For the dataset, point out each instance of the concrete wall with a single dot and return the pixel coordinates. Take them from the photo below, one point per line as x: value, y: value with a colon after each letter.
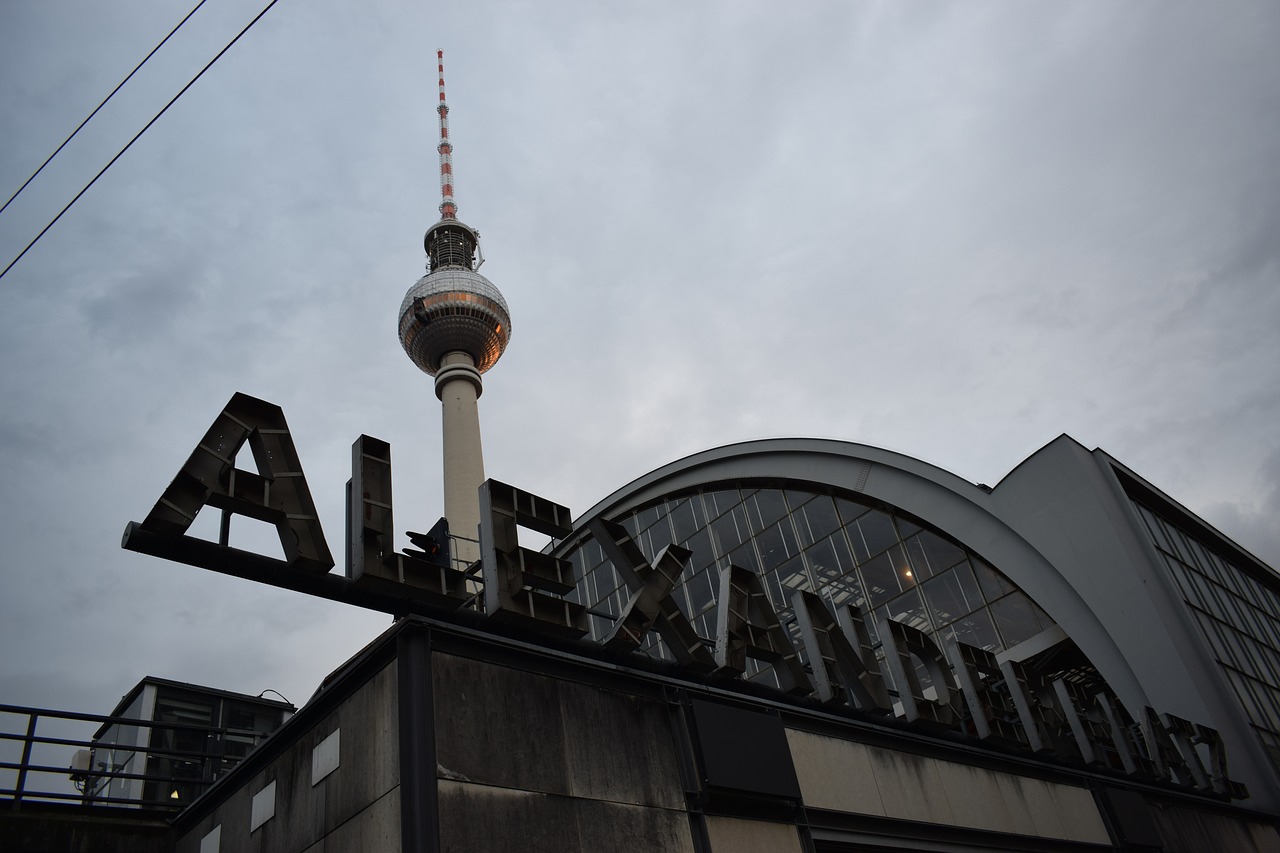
x: 530, y: 763
x: 846, y: 776
x: 354, y: 807
x: 64, y: 828
x: 1191, y: 831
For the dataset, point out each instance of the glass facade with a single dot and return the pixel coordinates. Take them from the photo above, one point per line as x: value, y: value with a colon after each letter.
x: 211, y: 732
x: 812, y: 538
x: 1236, y: 612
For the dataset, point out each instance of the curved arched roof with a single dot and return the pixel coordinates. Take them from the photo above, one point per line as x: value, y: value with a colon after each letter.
x: 968, y: 513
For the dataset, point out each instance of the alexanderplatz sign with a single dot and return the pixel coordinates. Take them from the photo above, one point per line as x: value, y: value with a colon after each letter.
x: 973, y: 693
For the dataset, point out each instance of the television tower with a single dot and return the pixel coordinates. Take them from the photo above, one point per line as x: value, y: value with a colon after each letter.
x: 454, y: 324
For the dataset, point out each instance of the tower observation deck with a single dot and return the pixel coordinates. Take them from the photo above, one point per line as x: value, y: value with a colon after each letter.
x: 454, y: 325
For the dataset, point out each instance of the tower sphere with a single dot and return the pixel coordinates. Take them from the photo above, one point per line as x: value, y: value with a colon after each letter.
x: 454, y: 309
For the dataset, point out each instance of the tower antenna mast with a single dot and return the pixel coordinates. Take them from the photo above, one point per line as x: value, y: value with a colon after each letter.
x: 448, y: 208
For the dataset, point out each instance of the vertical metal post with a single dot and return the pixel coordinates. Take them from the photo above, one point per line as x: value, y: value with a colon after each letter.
x: 419, y: 793
x: 26, y: 759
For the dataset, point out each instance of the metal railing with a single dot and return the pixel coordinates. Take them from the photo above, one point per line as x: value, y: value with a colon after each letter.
x: 45, y: 760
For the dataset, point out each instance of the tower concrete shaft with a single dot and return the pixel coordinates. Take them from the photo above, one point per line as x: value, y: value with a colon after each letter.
x: 458, y: 385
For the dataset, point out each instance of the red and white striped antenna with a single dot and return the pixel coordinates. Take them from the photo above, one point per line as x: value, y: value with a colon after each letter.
x: 448, y: 209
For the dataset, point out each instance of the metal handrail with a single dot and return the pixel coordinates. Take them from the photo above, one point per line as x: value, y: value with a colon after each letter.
x: 87, y: 785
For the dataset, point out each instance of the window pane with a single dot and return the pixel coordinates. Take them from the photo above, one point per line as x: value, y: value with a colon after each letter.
x: 909, y: 609
x: 849, y: 510
x: 829, y: 558
x: 993, y: 584
x: 702, y: 589
x: 817, y: 520
x: 976, y: 629
x: 682, y: 519
x: 945, y: 598
x: 700, y: 545
x: 730, y: 530
x: 744, y: 557
x: 1016, y: 619
x: 940, y: 553
x: 777, y: 545
x: 877, y: 531
x: 765, y: 507
x: 882, y: 577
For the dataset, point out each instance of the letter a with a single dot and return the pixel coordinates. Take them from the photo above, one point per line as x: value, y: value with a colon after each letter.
x: 277, y: 494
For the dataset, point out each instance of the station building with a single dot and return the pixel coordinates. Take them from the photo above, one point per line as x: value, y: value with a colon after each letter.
x: 798, y: 645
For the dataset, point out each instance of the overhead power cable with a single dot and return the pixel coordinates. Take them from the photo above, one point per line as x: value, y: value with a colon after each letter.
x: 100, y: 106
x: 138, y: 135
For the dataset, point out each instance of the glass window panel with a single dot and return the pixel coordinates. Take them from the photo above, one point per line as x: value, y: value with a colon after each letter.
x: 595, y: 556
x: 859, y: 545
x: 819, y: 521
x: 992, y: 583
x: 1245, y: 694
x: 702, y: 591
x: 906, y: 527
x: 880, y: 579
x: 919, y: 562
x: 1232, y: 578
x: 909, y: 609
x: 1176, y: 540
x: 877, y: 531
x: 1202, y: 560
x: 1271, y: 634
x: 631, y: 525
x: 1253, y: 591
x: 1231, y: 611
x: 683, y: 520
x: 1161, y: 536
x: 765, y: 507
x: 849, y: 510
x: 1223, y: 572
x: 660, y: 536
x: 797, y: 498
x: 725, y: 499
x: 844, y: 590
x: 700, y: 545
x: 705, y: 625
x: 642, y: 541
x: 829, y: 558
x: 1185, y: 586
x: 1016, y: 618
x: 906, y: 574
x: 976, y: 629
x: 946, y: 599
x: 1272, y: 661
x: 941, y: 553
x: 1216, y: 642
x: 646, y: 517
x: 730, y: 530
x: 1150, y: 521
x: 777, y: 545
x: 575, y: 563
x: 1204, y: 588
x: 791, y: 572
x: 598, y: 625
x: 744, y: 557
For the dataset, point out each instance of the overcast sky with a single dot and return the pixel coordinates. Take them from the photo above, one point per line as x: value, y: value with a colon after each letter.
x: 951, y: 230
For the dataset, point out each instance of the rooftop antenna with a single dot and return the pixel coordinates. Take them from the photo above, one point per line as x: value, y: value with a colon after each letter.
x: 448, y: 209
